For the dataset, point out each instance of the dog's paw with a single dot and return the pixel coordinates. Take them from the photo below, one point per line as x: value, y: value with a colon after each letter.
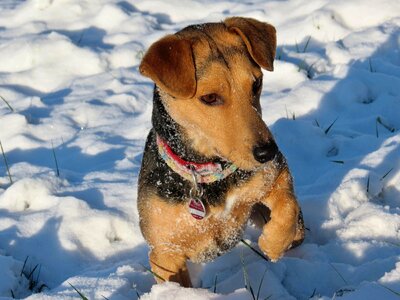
x: 276, y: 240
x: 271, y: 249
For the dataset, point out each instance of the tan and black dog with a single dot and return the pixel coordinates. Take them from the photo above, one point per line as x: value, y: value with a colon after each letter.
x: 210, y: 162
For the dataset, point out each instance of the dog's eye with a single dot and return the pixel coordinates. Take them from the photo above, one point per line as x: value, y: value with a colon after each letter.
x: 257, y: 85
x: 211, y: 99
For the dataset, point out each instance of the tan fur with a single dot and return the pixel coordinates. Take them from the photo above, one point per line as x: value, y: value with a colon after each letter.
x: 226, y: 65
x: 234, y: 84
x: 171, y: 53
x: 260, y: 39
x: 175, y: 236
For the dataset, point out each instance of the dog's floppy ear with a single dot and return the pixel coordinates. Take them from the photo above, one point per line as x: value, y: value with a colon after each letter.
x: 169, y: 63
x: 259, y: 37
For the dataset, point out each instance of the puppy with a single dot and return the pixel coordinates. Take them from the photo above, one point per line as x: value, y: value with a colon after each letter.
x: 210, y: 162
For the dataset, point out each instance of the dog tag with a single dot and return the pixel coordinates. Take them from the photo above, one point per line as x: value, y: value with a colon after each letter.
x: 197, y: 209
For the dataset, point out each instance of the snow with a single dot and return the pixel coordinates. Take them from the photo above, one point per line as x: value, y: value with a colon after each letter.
x: 69, y: 70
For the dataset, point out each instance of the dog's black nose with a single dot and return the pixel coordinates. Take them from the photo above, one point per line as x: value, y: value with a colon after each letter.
x: 265, y: 152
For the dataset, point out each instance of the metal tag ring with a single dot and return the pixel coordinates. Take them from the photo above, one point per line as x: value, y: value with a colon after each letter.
x: 196, y: 192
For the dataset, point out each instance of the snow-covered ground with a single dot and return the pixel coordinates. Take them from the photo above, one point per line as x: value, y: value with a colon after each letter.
x: 71, y: 96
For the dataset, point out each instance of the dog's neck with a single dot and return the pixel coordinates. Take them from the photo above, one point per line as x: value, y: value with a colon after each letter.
x: 170, y: 131
x: 168, y: 184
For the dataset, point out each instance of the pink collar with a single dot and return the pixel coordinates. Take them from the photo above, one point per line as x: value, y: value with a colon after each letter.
x: 204, y: 172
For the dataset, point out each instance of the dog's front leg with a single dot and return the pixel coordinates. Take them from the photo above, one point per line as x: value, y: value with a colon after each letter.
x: 169, y: 266
x: 285, y: 226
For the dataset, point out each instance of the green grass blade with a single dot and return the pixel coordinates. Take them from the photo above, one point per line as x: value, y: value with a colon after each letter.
x: 6, y: 163
x: 370, y: 65
x: 215, y: 284
x: 83, y: 297
x: 340, y: 275
x: 261, y: 282
x: 330, y: 126
x: 306, y: 45
x: 386, y: 174
x: 254, y: 250
x: 38, y: 274
x: 137, y: 293
x: 338, y: 162
x: 154, y: 273
x: 388, y: 127
x: 389, y: 289
x: 6, y: 102
x: 23, y: 267
x: 30, y: 276
x: 55, y: 159
x: 313, y: 293
x: 80, y: 38
x: 247, y: 284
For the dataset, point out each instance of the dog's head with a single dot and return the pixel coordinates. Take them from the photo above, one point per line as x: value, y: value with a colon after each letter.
x: 209, y: 77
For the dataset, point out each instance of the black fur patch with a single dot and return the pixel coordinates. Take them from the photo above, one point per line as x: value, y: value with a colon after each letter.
x: 155, y: 173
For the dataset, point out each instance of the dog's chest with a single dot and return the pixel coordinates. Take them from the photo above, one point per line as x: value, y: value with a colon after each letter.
x: 224, y: 226
x: 222, y: 229
x: 221, y: 236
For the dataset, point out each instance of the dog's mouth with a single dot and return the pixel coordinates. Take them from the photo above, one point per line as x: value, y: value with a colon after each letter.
x: 251, y: 165
x: 275, y: 159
